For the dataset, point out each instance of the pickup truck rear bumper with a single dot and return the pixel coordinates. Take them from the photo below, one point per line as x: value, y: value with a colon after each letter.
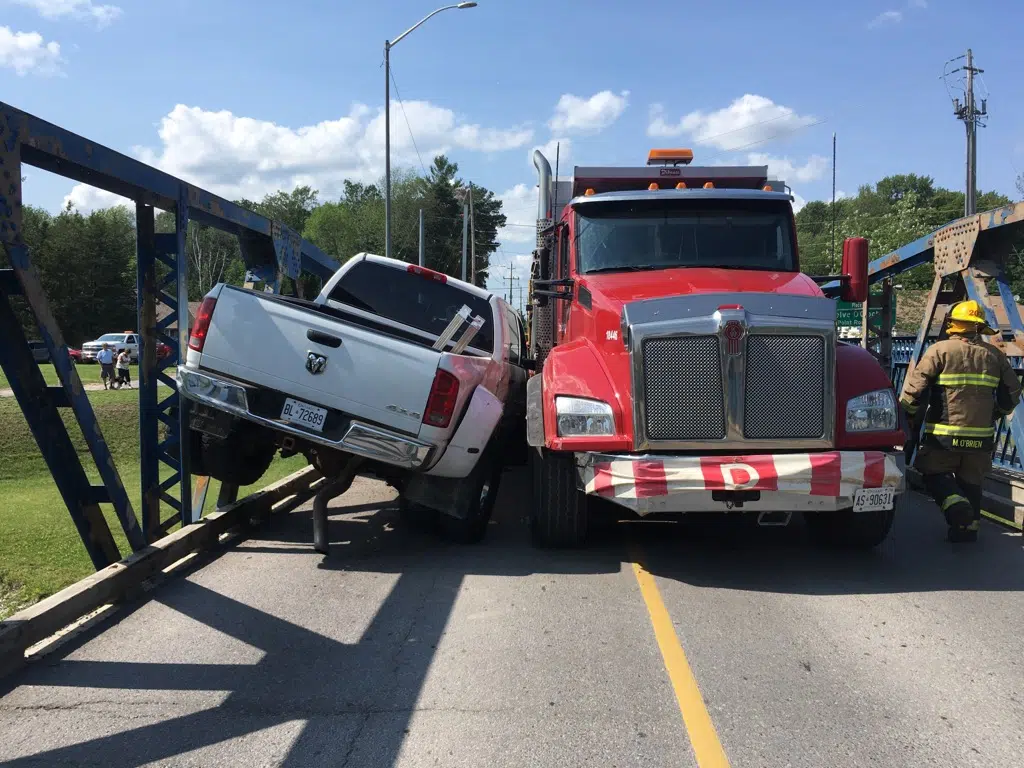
x: 785, y: 482
x: 371, y: 442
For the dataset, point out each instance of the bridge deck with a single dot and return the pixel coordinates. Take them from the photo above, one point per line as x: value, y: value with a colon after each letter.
x: 399, y: 650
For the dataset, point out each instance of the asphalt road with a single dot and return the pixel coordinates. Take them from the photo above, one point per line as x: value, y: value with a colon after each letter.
x: 398, y: 650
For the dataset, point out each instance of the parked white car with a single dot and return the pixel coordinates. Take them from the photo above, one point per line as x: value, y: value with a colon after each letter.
x: 417, y: 376
x: 118, y: 341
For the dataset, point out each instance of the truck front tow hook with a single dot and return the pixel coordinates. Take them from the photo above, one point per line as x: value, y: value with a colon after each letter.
x: 774, y: 518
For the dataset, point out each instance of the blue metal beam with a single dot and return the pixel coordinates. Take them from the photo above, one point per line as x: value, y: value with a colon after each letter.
x: 54, y: 149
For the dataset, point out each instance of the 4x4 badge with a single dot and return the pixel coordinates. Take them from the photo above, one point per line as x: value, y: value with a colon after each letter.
x: 315, y: 362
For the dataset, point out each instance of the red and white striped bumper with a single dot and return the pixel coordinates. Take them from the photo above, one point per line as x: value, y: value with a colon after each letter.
x: 792, y: 482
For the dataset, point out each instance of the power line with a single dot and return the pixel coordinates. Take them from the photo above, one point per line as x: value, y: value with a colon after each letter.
x: 401, y: 104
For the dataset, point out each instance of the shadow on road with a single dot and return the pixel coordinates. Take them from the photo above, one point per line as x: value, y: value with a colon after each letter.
x: 343, y: 691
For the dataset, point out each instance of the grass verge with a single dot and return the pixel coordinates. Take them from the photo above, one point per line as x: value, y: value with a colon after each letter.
x: 40, y: 550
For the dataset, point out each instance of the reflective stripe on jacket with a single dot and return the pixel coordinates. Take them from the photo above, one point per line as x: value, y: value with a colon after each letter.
x: 966, y: 384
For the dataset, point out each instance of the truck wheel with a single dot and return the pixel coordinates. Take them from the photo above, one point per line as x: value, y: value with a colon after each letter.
x: 241, y: 458
x: 558, y: 517
x: 849, y: 529
x: 484, y: 479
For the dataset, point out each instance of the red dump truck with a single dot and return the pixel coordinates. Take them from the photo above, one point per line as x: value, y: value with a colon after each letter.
x: 684, y: 364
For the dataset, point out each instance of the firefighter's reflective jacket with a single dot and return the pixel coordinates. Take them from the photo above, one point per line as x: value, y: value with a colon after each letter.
x: 967, y: 384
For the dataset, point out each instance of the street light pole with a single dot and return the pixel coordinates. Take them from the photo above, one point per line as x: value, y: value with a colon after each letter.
x: 387, y: 148
x: 388, y: 45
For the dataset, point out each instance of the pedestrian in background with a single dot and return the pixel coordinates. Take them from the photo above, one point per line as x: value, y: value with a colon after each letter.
x: 124, y: 376
x: 966, y: 384
x: 105, y: 357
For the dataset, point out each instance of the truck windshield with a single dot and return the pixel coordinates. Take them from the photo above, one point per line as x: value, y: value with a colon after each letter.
x: 655, y: 234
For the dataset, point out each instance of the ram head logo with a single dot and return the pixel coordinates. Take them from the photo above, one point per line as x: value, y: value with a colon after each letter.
x: 315, y: 362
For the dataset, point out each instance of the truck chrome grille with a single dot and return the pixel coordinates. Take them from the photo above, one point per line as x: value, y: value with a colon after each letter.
x: 683, y: 388
x: 785, y: 387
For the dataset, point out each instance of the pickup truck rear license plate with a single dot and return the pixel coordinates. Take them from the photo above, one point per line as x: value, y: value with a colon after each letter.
x: 873, y: 499
x: 304, y: 414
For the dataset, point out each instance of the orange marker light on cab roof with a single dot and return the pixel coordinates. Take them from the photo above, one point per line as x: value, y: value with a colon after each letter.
x: 766, y: 188
x: 589, y: 192
x: 681, y: 185
x: 708, y: 185
x: 670, y: 156
x: 652, y: 187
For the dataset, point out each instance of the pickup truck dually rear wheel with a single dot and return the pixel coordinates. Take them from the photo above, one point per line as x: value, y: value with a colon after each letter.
x: 849, y: 529
x: 483, y: 484
x: 558, y: 517
x: 484, y: 479
x: 241, y: 458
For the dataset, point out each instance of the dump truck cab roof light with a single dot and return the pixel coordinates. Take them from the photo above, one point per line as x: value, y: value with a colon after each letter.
x: 670, y: 157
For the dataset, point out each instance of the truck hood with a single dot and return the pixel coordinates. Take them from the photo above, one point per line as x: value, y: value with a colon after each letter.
x: 619, y: 288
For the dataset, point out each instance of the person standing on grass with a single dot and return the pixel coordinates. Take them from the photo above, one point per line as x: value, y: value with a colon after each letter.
x: 105, y: 357
x: 124, y: 375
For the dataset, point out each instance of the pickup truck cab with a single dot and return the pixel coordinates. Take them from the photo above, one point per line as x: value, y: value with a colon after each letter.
x: 416, y: 376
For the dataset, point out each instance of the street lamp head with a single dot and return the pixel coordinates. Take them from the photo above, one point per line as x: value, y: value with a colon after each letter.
x: 466, y: 5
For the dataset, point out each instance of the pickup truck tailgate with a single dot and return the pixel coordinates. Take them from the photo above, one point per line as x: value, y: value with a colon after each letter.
x: 369, y: 375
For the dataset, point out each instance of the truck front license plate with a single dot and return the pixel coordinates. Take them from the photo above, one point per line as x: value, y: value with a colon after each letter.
x: 304, y: 415
x: 873, y: 499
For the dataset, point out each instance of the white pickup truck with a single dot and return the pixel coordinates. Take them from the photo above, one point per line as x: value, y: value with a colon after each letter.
x: 416, y: 377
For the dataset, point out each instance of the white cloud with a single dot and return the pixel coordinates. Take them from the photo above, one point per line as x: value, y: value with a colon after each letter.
x: 749, y: 120
x: 783, y: 168
x: 237, y: 156
x: 102, y: 15
x: 798, y: 202
x: 519, y: 204
x: 579, y: 115
x: 86, y: 199
x: 27, y: 52
x: 885, y: 18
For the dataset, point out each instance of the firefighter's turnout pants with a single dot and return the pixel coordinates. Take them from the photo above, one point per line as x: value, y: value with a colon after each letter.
x: 955, y: 481
x: 965, y: 384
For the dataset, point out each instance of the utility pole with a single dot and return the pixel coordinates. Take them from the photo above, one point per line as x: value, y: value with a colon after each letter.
x: 422, y: 246
x: 465, y: 235
x: 832, y: 260
x: 387, y: 148
x: 472, y: 238
x: 971, y: 118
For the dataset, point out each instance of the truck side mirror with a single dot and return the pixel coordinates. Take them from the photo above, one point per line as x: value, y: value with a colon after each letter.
x: 855, y: 270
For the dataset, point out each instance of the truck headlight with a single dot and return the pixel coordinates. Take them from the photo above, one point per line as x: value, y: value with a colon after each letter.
x: 871, y: 412
x: 579, y: 417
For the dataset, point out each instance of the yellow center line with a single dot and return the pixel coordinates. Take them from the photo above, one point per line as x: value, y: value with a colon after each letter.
x: 703, y: 737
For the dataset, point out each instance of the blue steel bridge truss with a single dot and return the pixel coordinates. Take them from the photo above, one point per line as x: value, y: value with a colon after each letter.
x: 270, y: 250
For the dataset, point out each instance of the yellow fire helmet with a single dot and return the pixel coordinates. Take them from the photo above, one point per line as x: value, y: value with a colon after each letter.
x: 967, y: 316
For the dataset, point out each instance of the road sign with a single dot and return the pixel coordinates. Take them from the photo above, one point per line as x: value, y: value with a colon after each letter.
x: 848, y: 313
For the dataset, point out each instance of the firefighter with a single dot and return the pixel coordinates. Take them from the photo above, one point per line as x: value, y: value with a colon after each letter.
x: 966, y: 384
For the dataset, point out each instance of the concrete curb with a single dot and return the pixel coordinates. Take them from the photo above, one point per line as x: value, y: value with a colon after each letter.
x: 112, y: 584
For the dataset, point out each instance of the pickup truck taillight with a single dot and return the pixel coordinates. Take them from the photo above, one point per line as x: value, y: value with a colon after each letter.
x: 441, y: 403
x: 202, y: 324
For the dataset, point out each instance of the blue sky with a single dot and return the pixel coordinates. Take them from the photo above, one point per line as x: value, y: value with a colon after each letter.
x: 244, y: 98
